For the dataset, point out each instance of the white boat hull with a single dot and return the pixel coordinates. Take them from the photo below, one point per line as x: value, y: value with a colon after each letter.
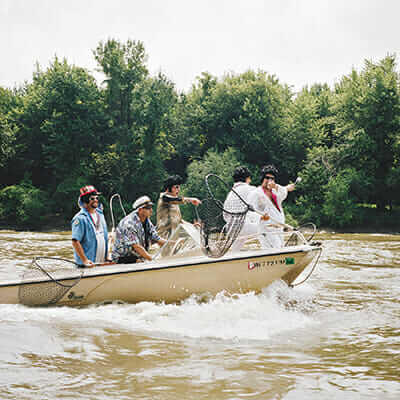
x: 172, y: 280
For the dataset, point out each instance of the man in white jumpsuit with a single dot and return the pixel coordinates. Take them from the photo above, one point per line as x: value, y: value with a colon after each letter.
x: 251, y: 226
x: 268, y: 198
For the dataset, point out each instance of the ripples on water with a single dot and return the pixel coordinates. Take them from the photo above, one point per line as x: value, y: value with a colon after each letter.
x: 336, y: 336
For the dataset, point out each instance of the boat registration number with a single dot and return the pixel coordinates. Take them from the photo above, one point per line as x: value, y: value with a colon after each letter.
x: 262, y: 264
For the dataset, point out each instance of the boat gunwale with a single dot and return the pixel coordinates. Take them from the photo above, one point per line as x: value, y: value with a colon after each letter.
x: 93, y: 273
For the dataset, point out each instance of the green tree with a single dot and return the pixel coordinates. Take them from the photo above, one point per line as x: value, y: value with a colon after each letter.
x: 316, y: 173
x: 243, y: 111
x: 117, y: 165
x: 7, y: 138
x: 367, y: 112
x: 61, y: 122
x: 8, y: 101
x: 155, y: 100
x: 134, y: 165
x: 393, y: 179
x: 124, y: 67
x: 308, y: 124
x: 190, y: 124
x: 340, y: 207
x: 22, y: 205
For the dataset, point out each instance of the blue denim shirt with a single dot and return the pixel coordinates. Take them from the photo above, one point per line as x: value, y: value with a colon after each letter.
x: 130, y: 231
x: 83, y: 230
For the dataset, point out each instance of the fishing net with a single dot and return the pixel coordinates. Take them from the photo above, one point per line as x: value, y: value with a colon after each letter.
x: 47, y: 280
x: 221, y: 217
x: 303, y: 234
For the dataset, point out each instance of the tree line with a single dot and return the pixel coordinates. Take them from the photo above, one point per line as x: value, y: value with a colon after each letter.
x: 63, y: 130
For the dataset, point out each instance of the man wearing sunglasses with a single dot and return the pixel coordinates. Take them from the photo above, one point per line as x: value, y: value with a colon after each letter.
x: 268, y: 198
x: 89, y: 229
x: 135, y: 233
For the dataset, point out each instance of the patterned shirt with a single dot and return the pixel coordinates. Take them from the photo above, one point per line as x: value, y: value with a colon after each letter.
x: 131, y: 231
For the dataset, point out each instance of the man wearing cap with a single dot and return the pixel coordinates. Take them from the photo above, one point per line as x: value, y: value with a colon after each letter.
x: 135, y: 233
x: 89, y: 229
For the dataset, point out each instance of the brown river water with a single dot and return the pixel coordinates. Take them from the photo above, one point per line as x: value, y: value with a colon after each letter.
x: 337, y: 336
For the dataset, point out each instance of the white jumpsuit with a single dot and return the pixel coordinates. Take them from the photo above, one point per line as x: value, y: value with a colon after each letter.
x: 272, y: 236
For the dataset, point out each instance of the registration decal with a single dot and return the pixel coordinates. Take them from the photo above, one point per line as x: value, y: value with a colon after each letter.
x: 261, y: 264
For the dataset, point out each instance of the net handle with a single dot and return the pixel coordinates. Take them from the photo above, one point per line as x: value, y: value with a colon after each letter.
x: 249, y: 206
x: 36, y: 262
x: 111, y: 208
x: 76, y: 264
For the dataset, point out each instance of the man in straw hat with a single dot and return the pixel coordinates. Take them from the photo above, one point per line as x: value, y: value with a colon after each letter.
x: 135, y: 233
x: 89, y: 229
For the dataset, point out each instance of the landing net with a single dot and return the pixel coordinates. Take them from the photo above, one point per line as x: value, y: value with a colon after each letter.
x: 221, y: 217
x: 47, y: 281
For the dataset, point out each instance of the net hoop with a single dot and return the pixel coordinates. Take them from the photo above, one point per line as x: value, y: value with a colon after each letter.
x: 220, y: 220
x: 45, y: 282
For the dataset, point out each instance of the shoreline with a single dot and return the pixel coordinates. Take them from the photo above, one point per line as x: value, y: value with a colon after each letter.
x: 60, y: 227
x: 360, y: 230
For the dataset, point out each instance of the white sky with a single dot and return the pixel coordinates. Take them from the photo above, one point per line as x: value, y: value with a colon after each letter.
x: 300, y: 41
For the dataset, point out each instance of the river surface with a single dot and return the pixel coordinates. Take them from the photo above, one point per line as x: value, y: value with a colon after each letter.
x: 337, y: 336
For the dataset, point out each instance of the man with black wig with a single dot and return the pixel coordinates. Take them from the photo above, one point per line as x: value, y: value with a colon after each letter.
x: 268, y: 198
x: 168, y: 213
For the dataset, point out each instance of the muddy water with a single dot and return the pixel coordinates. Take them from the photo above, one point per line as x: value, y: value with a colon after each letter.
x: 334, y: 337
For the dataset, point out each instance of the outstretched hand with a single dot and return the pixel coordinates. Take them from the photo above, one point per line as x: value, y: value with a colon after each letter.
x: 194, y: 200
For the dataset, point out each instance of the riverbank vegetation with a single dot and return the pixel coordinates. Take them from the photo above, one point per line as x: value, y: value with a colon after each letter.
x: 63, y: 130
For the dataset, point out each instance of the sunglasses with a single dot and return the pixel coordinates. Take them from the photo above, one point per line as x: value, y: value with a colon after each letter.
x: 148, y: 207
x: 92, y: 198
x: 272, y: 178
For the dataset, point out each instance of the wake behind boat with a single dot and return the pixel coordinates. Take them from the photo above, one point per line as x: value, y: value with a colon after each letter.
x: 178, y: 273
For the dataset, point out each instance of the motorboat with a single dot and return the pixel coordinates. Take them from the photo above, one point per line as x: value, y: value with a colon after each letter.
x: 179, y: 270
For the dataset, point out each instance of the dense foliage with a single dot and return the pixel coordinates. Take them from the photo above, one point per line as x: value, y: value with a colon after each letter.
x: 64, y: 130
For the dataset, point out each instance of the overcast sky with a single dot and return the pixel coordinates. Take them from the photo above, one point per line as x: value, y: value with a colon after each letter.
x: 300, y: 41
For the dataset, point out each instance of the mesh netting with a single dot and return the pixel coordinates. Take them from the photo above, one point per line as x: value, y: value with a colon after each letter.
x: 303, y: 234
x: 47, y: 281
x: 221, y: 216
